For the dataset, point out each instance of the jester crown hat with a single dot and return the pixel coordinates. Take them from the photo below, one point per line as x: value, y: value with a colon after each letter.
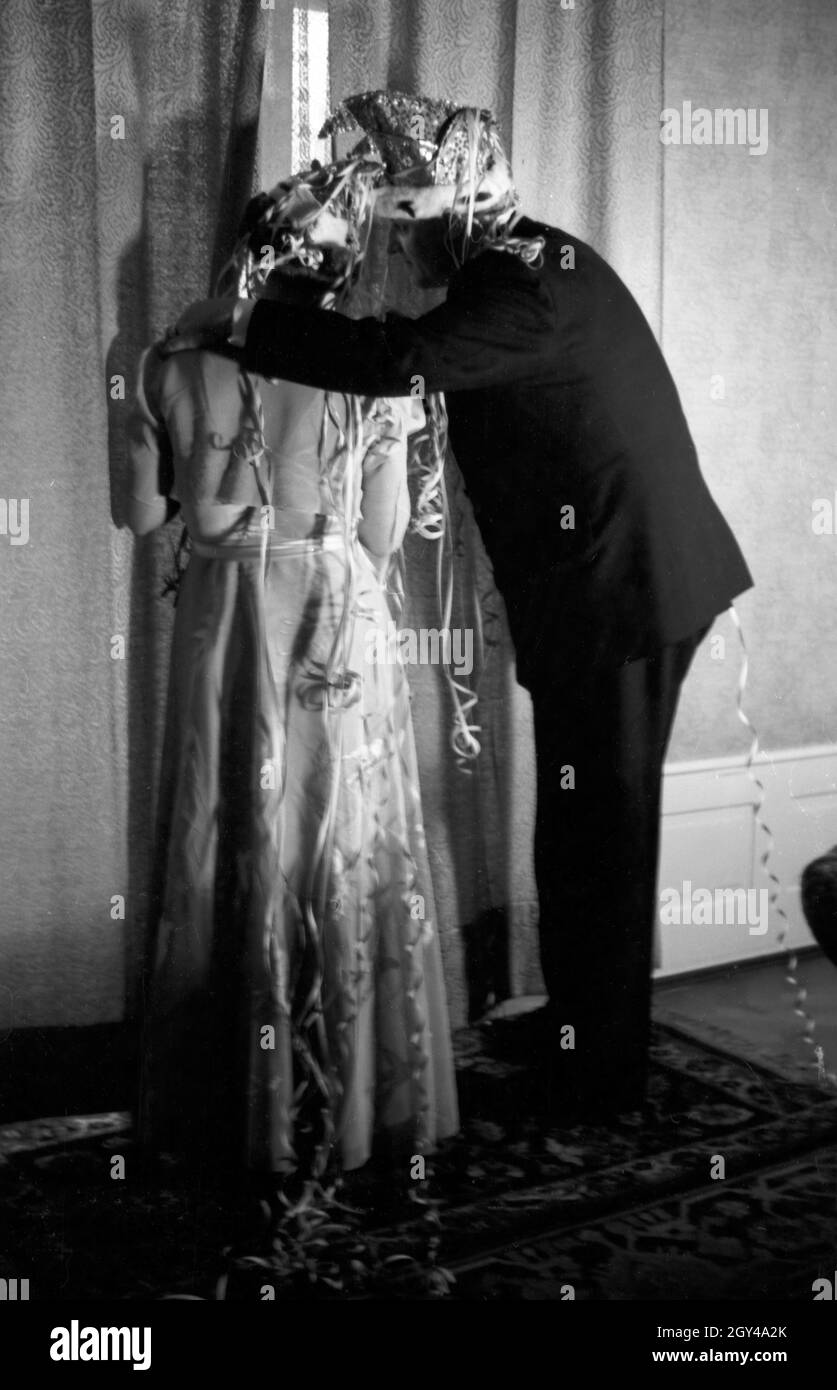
x: 418, y: 139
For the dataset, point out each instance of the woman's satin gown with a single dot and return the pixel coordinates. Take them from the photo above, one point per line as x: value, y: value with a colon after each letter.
x: 294, y: 1000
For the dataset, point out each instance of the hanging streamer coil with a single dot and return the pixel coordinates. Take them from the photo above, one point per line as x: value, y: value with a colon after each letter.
x: 432, y: 522
x: 792, y: 961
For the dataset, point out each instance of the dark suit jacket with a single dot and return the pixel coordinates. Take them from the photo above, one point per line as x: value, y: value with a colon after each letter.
x: 568, y: 428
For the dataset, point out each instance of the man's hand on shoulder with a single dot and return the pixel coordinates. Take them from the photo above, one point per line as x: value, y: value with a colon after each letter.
x: 208, y: 324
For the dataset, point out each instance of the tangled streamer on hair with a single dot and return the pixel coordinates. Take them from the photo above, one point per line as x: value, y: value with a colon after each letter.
x: 269, y: 240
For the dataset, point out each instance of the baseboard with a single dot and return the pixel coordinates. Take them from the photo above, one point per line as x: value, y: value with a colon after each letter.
x: 711, y: 840
x: 67, y: 1071
x: 706, y: 974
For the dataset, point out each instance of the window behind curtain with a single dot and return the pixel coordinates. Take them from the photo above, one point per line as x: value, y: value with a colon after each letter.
x: 311, y: 94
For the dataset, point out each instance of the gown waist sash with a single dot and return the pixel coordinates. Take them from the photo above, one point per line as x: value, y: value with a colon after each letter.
x: 250, y: 545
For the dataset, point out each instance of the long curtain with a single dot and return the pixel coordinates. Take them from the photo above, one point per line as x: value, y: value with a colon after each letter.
x: 129, y: 132
x: 573, y: 89
x: 128, y: 142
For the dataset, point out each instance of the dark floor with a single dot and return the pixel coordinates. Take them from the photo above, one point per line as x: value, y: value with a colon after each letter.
x: 749, y: 1010
x: 746, y: 1010
x: 618, y: 1211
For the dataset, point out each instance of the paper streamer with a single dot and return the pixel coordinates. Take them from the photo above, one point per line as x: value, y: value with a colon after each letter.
x: 432, y: 522
x: 774, y: 907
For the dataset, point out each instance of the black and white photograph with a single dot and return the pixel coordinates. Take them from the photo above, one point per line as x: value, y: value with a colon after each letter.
x: 418, y: 694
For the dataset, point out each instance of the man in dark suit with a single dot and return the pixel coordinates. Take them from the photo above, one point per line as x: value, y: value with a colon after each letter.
x: 609, y: 551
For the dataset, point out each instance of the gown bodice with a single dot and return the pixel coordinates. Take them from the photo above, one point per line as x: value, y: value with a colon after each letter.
x: 207, y: 408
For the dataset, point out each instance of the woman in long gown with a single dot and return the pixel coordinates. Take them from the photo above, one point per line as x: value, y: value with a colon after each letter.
x: 295, y: 1005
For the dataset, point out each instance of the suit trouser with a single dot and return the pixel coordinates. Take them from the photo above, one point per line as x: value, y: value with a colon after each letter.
x: 601, y: 741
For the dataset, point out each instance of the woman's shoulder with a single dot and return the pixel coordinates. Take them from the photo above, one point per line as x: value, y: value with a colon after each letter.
x: 161, y: 377
x: 196, y: 383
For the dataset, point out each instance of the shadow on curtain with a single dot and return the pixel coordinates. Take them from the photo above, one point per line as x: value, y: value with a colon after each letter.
x: 127, y: 139
x: 198, y: 77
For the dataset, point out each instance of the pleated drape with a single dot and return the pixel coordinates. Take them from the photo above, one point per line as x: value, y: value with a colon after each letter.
x: 127, y: 146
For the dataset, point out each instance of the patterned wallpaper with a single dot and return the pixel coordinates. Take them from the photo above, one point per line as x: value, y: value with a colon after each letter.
x: 750, y: 333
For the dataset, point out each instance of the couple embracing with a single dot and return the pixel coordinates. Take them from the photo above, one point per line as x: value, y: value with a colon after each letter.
x: 295, y: 1005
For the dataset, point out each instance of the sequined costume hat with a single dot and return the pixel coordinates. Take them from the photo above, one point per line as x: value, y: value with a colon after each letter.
x: 402, y: 131
x: 438, y: 157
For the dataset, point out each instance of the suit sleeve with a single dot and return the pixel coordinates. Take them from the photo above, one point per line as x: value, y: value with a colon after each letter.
x: 495, y: 327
